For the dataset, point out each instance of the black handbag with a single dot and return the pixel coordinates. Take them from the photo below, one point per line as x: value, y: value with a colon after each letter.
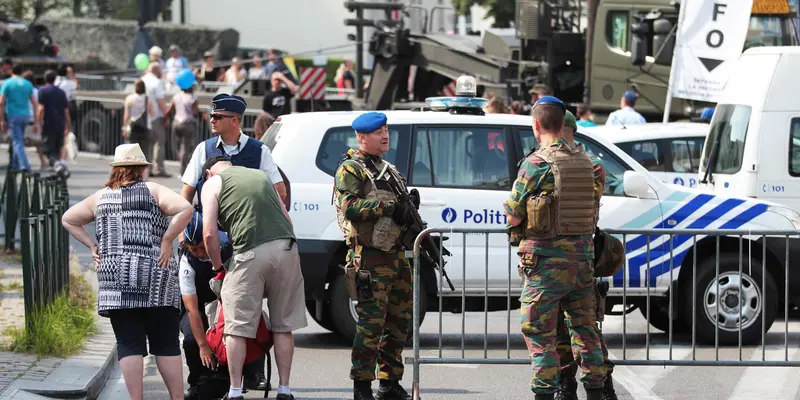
x: 140, y: 124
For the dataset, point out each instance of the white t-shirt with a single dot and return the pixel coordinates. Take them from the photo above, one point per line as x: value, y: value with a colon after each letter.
x: 155, y: 91
x: 194, y: 170
x: 187, y: 277
x: 68, y: 86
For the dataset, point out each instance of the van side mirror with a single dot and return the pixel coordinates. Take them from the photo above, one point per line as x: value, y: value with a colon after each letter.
x: 662, y: 37
x: 634, y: 184
x: 640, y: 31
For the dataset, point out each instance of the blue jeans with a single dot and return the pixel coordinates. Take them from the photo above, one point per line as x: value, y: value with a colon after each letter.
x: 16, y: 128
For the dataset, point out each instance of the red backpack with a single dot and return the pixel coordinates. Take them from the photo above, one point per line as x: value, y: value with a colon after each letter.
x: 255, y: 347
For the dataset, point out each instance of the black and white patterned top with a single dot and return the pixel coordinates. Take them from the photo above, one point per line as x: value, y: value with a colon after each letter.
x: 130, y: 226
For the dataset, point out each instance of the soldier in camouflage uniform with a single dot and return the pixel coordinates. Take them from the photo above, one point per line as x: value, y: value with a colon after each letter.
x: 567, y: 384
x: 378, y: 273
x: 554, y: 208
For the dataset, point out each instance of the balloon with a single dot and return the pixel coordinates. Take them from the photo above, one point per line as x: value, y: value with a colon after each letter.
x: 185, y: 79
x: 141, y: 61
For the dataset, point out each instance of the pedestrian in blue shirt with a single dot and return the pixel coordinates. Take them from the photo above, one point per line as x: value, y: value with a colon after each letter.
x: 626, y: 115
x: 16, y: 97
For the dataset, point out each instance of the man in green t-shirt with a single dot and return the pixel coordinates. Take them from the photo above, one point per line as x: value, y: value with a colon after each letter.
x: 265, y: 264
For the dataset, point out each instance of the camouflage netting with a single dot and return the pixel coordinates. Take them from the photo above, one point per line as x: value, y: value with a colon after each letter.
x: 110, y: 42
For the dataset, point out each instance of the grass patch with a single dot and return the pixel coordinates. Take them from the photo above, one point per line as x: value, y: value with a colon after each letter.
x: 61, y: 328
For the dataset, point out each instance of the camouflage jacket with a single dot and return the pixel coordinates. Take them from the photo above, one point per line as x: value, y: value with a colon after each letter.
x: 534, y: 177
x: 349, y: 186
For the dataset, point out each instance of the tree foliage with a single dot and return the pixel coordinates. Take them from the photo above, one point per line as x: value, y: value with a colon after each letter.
x: 503, y: 11
x: 114, y: 9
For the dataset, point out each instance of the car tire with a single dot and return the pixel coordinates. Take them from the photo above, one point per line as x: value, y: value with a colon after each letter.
x: 758, y: 306
x: 659, y: 315
x: 343, y: 316
x: 326, y: 321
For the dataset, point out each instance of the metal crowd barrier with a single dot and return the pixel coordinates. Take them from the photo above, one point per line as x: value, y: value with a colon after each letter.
x: 37, y: 203
x: 99, y: 121
x: 657, y: 250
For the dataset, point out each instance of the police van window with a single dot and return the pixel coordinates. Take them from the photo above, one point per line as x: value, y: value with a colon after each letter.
x: 686, y: 155
x: 794, y: 148
x: 615, y: 169
x: 464, y: 157
x: 648, y: 154
x: 727, y: 134
x: 617, y: 26
x: 338, y: 140
x: 270, y: 137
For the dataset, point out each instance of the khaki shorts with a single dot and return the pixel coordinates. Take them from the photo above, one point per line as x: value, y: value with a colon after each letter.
x: 267, y: 271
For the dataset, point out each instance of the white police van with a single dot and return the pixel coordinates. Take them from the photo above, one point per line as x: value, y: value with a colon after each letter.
x: 464, y: 167
x: 669, y: 151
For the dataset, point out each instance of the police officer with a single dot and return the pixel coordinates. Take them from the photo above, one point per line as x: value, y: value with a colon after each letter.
x: 554, y: 205
x: 567, y: 384
x: 195, y: 273
x: 379, y: 274
x: 231, y: 142
x: 243, y: 151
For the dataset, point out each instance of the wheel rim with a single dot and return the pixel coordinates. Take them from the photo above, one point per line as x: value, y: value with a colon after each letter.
x: 735, y: 296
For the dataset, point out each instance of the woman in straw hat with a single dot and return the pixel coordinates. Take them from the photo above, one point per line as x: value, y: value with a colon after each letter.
x: 137, y: 273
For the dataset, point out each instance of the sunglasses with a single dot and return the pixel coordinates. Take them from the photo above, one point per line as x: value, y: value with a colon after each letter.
x: 218, y: 117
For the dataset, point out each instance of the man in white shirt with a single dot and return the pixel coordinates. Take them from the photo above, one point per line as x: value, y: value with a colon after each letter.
x: 626, y: 115
x: 243, y: 150
x: 175, y: 63
x: 155, y: 92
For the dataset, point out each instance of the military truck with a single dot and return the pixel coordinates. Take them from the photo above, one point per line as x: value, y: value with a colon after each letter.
x: 28, y: 45
x: 588, y: 51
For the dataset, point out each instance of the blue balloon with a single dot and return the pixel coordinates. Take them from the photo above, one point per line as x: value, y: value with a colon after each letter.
x: 185, y: 79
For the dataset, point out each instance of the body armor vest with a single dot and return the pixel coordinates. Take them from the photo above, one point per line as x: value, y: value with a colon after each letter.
x: 383, y: 233
x: 572, y: 209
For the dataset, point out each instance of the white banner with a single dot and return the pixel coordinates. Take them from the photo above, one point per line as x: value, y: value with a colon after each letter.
x: 711, y: 39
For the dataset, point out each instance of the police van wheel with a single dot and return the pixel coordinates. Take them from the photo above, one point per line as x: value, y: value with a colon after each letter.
x: 326, y: 321
x: 723, y: 299
x: 343, y: 313
x: 659, y: 315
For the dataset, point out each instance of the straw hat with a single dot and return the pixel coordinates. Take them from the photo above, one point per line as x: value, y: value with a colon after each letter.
x: 128, y: 155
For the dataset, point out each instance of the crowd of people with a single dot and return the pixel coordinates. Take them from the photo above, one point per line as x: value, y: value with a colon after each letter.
x: 39, y: 115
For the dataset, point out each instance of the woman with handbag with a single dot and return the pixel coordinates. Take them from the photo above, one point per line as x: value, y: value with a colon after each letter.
x: 136, y: 127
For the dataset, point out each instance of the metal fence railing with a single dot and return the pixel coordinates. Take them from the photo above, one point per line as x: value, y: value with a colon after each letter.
x: 99, y: 121
x: 35, y: 204
x: 707, y: 298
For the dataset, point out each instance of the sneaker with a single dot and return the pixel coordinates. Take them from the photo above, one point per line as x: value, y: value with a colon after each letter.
x: 232, y: 398
x: 284, y: 397
x: 256, y: 381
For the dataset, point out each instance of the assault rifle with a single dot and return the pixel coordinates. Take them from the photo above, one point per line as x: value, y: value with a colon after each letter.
x: 430, y: 247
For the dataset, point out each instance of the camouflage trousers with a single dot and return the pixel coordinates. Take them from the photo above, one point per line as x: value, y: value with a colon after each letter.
x: 566, y: 349
x: 553, y: 286
x: 384, y: 320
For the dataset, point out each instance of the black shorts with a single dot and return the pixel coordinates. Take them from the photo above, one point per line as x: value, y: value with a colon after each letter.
x: 135, y: 328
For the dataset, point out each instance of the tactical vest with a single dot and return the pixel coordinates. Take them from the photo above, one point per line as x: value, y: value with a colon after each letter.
x: 249, y: 157
x: 202, y: 275
x: 572, y: 209
x: 382, y: 234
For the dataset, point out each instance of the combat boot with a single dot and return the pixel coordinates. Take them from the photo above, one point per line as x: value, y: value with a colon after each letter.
x: 594, y: 394
x: 608, y: 389
x: 567, y: 385
x: 362, y: 390
x: 537, y: 396
x: 392, y: 390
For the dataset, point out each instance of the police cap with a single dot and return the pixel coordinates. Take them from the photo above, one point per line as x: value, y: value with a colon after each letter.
x: 226, y: 102
x: 630, y: 97
x: 193, y: 233
x: 369, y: 122
x: 551, y: 100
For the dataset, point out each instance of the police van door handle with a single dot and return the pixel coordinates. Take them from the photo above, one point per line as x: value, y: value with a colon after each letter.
x: 432, y: 203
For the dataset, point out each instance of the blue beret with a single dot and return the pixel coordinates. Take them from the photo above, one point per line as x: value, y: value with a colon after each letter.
x: 369, y: 122
x: 631, y: 96
x: 226, y: 102
x: 551, y: 100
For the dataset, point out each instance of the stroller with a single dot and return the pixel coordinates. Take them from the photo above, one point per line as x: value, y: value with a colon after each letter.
x: 216, y: 386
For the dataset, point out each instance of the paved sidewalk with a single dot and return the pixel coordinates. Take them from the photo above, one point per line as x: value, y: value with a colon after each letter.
x: 25, y: 376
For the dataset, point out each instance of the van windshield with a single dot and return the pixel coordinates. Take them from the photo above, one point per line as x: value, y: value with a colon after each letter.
x: 726, y: 138
x: 270, y: 137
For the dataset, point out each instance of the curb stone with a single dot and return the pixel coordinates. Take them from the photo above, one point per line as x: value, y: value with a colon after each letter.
x: 80, y: 376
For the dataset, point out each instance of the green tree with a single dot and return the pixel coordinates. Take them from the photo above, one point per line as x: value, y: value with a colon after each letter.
x: 25, y: 9
x: 503, y: 11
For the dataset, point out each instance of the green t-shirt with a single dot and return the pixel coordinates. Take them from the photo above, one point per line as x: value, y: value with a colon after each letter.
x: 250, y: 209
